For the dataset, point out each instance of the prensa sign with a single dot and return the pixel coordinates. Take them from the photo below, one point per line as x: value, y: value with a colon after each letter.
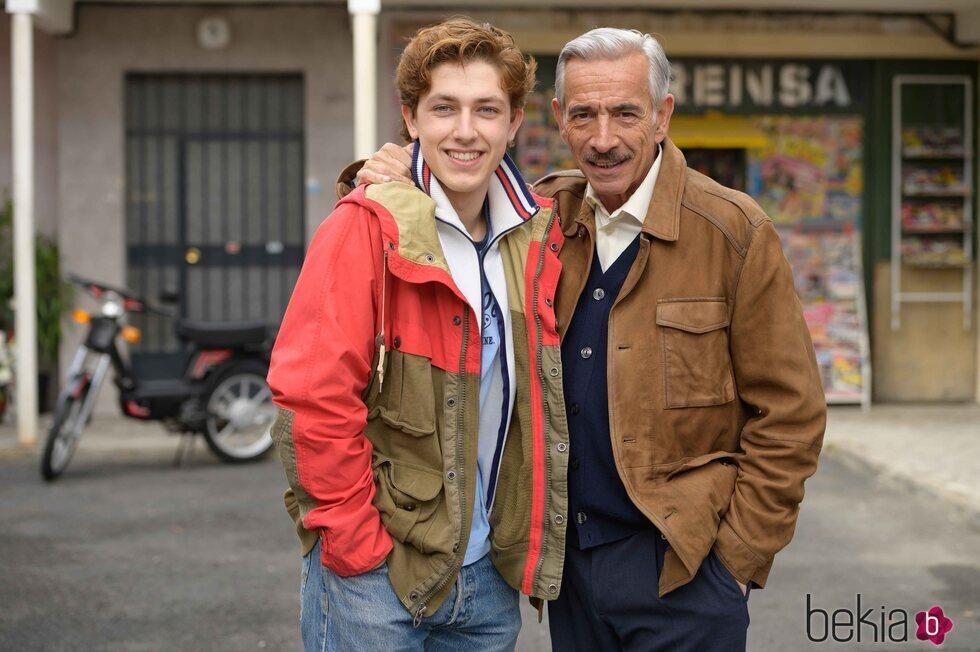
x: 768, y: 86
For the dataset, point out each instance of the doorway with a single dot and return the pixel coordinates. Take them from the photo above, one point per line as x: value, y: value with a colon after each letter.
x: 215, y: 199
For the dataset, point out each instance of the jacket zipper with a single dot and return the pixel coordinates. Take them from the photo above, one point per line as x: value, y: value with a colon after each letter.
x: 420, y: 612
x: 503, y: 444
x: 495, y: 238
x: 545, y: 529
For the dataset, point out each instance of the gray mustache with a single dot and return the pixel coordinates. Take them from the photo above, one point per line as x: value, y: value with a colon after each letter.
x: 612, y: 156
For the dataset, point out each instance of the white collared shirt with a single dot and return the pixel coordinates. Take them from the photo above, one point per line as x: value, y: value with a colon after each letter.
x: 615, y: 232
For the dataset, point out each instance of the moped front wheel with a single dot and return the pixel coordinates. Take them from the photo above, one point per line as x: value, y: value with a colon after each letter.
x: 73, y: 411
x: 64, y: 434
x: 240, y: 413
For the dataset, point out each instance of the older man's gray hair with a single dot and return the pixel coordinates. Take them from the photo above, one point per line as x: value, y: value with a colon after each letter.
x: 610, y: 43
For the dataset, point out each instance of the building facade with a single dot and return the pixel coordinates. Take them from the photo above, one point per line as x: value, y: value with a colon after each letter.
x: 194, y: 146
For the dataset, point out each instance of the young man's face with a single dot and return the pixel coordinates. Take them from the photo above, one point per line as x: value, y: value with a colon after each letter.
x: 611, y: 125
x: 463, y: 123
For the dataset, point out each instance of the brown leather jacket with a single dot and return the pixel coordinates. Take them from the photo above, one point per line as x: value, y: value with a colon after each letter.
x: 716, y: 408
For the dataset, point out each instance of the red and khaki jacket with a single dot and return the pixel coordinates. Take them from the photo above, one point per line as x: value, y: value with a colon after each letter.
x: 382, y: 465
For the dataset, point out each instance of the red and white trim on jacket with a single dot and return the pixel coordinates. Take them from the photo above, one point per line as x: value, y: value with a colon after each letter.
x: 536, y: 252
x: 506, y: 173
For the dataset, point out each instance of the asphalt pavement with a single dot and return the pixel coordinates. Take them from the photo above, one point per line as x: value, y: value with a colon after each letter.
x: 130, y: 552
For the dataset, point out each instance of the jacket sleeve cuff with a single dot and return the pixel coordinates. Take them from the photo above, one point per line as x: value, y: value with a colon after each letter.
x: 740, y: 560
x: 346, y: 561
x: 346, y: 180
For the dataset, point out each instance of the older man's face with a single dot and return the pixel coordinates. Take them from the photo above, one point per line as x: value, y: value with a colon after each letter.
x: 611, y: 124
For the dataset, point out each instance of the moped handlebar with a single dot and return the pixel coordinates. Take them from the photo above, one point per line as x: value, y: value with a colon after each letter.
x: 132, y: 302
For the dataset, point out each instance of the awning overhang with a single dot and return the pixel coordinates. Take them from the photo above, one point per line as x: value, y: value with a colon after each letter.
x: 712, y: 131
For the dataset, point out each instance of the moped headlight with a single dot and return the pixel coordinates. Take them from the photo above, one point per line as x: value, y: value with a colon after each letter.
x: 112, y: 310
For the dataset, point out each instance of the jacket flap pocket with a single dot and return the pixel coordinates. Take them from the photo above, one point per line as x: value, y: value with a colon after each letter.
x: 704, y: 459
x: 693, y: 316
x: 420, y: 484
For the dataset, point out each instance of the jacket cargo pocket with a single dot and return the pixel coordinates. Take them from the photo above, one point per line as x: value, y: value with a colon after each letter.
x: 406, y: 400
x: 696, y: 363
x: 407, y: 497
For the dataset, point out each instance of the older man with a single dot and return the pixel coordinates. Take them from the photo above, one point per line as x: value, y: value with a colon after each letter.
x: 694, y: 402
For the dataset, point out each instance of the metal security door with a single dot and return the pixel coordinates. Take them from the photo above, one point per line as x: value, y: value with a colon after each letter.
x: 215, y: 198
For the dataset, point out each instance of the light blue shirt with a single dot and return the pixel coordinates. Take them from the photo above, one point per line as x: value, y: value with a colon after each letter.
x: 493, y: 413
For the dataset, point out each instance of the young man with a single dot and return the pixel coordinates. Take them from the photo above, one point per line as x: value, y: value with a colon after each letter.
x: 419, y: 376
x: 695, y: 406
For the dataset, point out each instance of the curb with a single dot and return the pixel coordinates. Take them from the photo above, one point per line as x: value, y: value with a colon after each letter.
x: 16, y: 452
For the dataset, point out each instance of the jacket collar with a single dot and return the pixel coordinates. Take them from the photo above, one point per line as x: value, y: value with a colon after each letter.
x: 664, y: 215
x: 511, y: 202
x: 636, y: 206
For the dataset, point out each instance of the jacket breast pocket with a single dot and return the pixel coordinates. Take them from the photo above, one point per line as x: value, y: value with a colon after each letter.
x: 696, y: 364
x: 406, y: 400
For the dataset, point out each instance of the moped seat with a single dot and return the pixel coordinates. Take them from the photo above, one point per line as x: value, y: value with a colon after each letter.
x: 221, y: 334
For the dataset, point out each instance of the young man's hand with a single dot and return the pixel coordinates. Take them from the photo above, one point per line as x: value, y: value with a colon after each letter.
x: 390, y: 163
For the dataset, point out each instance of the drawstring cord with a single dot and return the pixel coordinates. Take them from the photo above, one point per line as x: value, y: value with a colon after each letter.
x: 379, y: 341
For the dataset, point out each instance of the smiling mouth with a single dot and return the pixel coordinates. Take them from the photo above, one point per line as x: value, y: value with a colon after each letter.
x: 610, y: 160
x: 607, y: 165
x: 464, y: 156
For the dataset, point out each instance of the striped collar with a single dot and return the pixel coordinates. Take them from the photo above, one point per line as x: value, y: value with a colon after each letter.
x: 511, y: 202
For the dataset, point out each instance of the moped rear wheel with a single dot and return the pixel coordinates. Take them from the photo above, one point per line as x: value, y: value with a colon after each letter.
x: 64, y: 434
x: 240, y: 413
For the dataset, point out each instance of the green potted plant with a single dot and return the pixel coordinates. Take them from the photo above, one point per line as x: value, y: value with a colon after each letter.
x: 54, y: 298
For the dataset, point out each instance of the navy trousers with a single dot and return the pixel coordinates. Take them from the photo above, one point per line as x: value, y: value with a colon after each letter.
x: 609, y: 601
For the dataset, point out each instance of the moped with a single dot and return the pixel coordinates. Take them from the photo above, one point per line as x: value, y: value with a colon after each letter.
x: 222, y: 393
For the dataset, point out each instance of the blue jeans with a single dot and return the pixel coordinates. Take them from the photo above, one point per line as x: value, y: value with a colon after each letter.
x: 481, y: 613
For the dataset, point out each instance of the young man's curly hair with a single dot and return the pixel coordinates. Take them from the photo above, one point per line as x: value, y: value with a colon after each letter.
x: 460, y: 41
